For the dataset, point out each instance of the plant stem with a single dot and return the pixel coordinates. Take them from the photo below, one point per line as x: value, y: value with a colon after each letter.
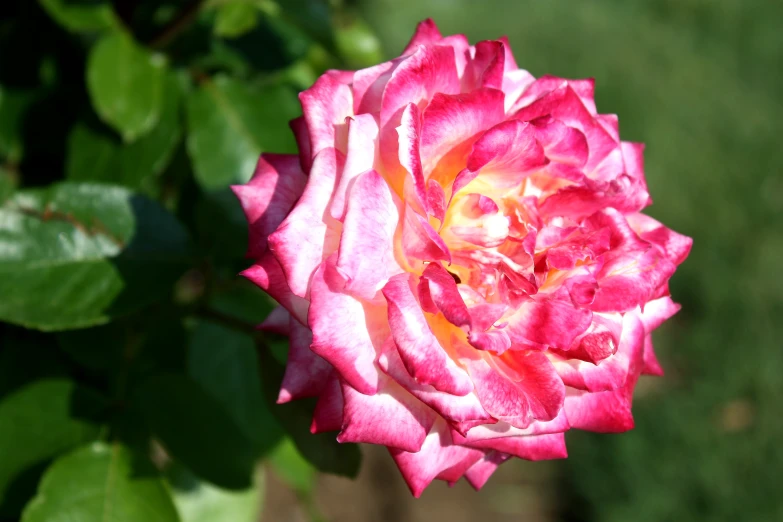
x: 228, y: 320
x: 179, y: 23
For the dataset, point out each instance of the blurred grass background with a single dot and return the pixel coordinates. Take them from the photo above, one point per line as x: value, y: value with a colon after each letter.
x: 699, y: 81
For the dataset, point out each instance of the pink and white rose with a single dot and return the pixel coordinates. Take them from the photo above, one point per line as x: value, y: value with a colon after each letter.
x: 460, y: 259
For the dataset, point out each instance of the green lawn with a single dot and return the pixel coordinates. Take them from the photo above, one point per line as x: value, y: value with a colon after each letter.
x: 700, y: 82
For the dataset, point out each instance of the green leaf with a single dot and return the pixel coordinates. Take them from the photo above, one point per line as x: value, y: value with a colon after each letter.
x: 137, y: 346
x: 148, y: 156
x: 196, y: 430
x: 13, y: 104
x: 322, y: 450
x: 100, y: 349
x: 8, y: 183
x: 356, y: 43
x: 97, y: 156
x: 39, y: 421
x: 292, y: 467
x: 26, y: 356
x: 294, y: 470
x: 225, y: 364
x: 126, y: 85
x: 102, y: 483
x: 271, y: 45
x: 199, y: 501
x: 92, y: 156
x: 235, y: 18
x: 81, y: 17
x: 242, y: 299
x: 75, y: 255
x: 221, y: 225
x: 311, y: 16
x: 230, y: 123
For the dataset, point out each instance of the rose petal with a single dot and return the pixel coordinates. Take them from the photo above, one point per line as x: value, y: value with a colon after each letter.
x: 326, y: 104
x: 633, y: 161
x: 515, y: 82
x: 478, y: 474
x: 440, y: 286
x: 391, y: 417
x: 306, y: 374
x: 437, y: 455
x: 532, y: 392
x: 409, y: 133
x: 675, y: 246
x: 361, y: 157
x: 651, y: 365
x: 632, y: 270
x: 608, y: 411
x: 487, y: 66
x: 430, y: 70
x: 436, y: 200
x: 269, y: 276
x: 420, y: 351
x: 457, y: 410
x: 420, y: 241
x: 612, y: 372
x: 267, y: 198
x: 657, y: 311
x: 299, y: 128
x: 503, y: 429
x: 451, y: 120
x: 366, y: 254
x: 277, y: 321
x: 548, y: 322
x: 328, y: 413
x: 308, y: 234
x: 531, y: 447
x: 564, y: 104
x: 496, y: 341
x: 506, y: 153
x: 340, y: 331
x: 427, y: 33
x: 368, y: 85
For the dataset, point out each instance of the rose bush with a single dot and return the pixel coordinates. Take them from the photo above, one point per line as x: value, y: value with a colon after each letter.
x: 460, y: 259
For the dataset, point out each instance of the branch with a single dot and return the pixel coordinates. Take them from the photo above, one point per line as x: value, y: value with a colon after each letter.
x: 179, y: 23
x: 234, y: 323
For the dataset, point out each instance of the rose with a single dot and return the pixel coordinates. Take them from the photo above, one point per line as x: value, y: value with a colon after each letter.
x: 463, y: 270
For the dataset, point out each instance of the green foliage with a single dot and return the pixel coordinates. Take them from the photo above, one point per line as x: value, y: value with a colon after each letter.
x: 122, y: 123
x: 40, y: 421
x: 13, y: 104
x: 229, y: 126
x: 199, y: 501
x: 225, y: 364
x: 319, y: 449
x: 196, y: 430
x: 126, y: 85
x: 99, y: 239
x: 7, y: 184
x: 98, y: 483
x: 235, y: 18
x: 123, y: 323
x: 81, y: 16
x: 291, y: 467
x: 95, y: 154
